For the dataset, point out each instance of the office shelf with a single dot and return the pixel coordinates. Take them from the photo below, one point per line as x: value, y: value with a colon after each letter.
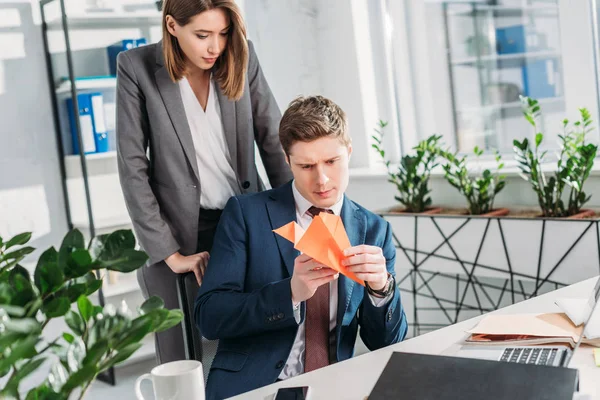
x: 92, y: 20
x: 506, y: 60
x: 99, y: 83
x: 507, y: 11
x: 510, y: 105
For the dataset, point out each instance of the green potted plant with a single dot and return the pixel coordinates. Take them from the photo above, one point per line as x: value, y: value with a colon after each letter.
x: 414, y: 172
x: 479, y: 190
x: 98, y: 337
x: 561, y: 193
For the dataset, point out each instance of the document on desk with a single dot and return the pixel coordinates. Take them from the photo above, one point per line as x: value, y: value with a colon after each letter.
x: 528, y: 329
x: 325, y: 240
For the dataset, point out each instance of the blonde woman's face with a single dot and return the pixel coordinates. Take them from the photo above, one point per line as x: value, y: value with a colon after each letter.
x: 204, y: 38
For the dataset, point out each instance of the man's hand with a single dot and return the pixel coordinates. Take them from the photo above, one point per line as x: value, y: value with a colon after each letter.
x: 367, y: 263
x: 195, y: 263
x: 308, y: 276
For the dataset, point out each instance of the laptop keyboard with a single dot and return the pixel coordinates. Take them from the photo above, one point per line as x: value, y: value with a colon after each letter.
x: 531, y: 355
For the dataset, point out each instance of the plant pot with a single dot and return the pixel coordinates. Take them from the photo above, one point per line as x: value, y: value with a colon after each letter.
x: 582, y: 214
x: 398, y: 210
x: 498, y: 212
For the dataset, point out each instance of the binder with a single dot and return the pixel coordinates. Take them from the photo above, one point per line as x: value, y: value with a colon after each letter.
x: 92, y: 123
x: 114, y: 49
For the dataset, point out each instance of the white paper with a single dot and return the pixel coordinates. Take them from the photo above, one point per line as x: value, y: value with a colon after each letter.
x: 578, y: 310
x: 98, y: 113
x: 87, y: 133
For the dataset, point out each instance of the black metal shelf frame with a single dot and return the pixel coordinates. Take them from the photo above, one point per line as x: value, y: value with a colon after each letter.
x: 418, y: 281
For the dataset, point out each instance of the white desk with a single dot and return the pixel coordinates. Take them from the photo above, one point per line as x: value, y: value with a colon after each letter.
x: 355, y: 378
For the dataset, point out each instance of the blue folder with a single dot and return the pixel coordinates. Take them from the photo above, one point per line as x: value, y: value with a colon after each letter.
x: 92, y: 123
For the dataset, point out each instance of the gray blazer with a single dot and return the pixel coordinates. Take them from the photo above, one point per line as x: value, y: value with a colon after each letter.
x: 162, y: 190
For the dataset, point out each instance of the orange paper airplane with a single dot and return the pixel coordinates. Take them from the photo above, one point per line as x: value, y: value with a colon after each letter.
x: 325, y: 240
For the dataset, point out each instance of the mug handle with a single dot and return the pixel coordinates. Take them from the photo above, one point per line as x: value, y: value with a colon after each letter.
x: 138, y: 384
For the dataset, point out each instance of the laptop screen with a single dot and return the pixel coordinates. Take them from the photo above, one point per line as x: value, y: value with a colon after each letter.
x: 591, y: 306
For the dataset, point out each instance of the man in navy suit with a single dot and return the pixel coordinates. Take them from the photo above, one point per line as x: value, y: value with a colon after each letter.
x: 278, y: 313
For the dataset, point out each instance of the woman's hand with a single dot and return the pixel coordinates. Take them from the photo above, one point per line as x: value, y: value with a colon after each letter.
x: 195, y: 263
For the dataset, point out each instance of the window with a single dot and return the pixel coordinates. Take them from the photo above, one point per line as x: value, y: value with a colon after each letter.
x: 465, y: 64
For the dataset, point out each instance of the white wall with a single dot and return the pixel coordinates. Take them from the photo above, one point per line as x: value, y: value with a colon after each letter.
x: 31, y: 196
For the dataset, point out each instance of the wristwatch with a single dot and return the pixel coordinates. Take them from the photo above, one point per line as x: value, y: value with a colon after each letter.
x: 387, y: 289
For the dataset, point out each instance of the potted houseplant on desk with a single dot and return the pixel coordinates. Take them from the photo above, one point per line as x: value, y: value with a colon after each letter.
x: 479, y: 190
x: 98, y: 337
x: 413, y: 176
x: 574, y: 164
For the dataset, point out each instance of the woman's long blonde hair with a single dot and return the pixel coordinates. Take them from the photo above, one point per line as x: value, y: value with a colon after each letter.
x: 230, y: 68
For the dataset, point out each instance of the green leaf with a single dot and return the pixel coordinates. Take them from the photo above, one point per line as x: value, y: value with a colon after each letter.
x: 18, y: 240
x: 18, y: 254
x: 29, y: 367
x: 122, y: 355
x: 110, y: 247
x: 129, y: 260
x: 13, y: 311
x: 79, y: 378
x: 153, y: 303
x: 22, y: 288
x: 24, y: 348
x: 82, y: 257
x: 73, y: 291
x: 25, y: 326
x: 538, y: 139
x: 68, y: 337
x: 96, y: 352
x: 85, y: 308
x: 43, y: 392
x: 75, y: 322
x: 56, y: 307
x: 48, y: 276
x: 176, y: 316
x: 93, y: 286
x: 72, y: 241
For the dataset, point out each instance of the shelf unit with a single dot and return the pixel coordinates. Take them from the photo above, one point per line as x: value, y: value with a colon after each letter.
x: 96, y: 83
x: 489, y: 67
x: 77, y: 167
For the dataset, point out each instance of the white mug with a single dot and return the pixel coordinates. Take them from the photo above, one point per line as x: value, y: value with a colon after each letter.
x: 176, y: 380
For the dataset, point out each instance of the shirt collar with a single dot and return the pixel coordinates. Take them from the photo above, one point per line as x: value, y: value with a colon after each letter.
x: 302, y: 205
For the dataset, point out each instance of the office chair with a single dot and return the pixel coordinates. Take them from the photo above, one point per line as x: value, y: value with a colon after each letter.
x: 196, y: 346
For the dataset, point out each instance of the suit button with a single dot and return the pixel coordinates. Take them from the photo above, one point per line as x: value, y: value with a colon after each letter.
x: 246, y: 185
x: 389, y: 318
x: 279, y: 365
x: 280, y: 316
x: 270, y: 319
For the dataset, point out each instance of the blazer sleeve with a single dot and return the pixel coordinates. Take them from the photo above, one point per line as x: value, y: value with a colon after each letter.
x: 386, y: 325
x: 222, y: 309
x: 152, y: 231
x: 266, y: 117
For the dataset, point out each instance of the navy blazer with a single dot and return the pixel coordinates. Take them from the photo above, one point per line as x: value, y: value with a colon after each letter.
x: 245, y: 300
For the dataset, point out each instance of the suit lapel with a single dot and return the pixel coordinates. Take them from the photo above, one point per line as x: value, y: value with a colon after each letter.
x: 171, y: 96
x: 229, y: 126
x: 282, y: 210
x: 356, y: 227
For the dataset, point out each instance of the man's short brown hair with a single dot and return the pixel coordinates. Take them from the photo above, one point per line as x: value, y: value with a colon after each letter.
x: 311, y: 118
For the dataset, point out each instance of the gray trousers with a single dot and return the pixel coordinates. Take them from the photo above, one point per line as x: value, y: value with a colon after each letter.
x: 159, y: 280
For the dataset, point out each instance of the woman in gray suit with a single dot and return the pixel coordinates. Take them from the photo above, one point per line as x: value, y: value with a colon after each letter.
x: 189, y: 110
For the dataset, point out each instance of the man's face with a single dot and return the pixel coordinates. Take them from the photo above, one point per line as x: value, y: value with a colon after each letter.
x: 320, y: 170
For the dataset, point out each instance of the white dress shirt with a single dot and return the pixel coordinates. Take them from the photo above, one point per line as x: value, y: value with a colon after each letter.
x: 218, y: 179
x: 295, y: 362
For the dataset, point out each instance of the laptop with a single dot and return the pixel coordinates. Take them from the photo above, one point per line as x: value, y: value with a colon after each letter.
x: 550, y: 355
